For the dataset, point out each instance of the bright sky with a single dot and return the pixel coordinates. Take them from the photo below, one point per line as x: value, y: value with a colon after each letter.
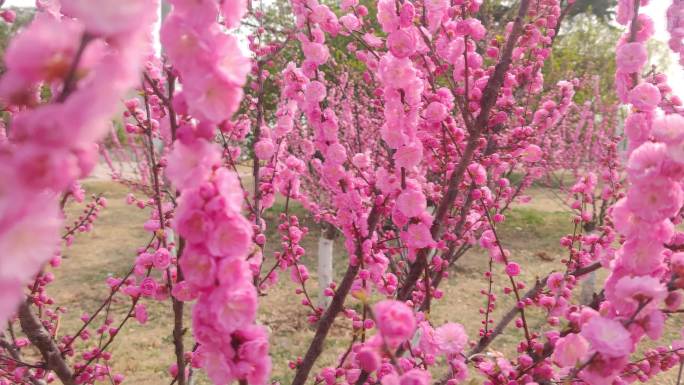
x: 675, y: 73
x: 656, y: 10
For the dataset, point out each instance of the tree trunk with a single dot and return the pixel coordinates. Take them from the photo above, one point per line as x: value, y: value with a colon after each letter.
x: 325, y: 262
x: 588, y: 284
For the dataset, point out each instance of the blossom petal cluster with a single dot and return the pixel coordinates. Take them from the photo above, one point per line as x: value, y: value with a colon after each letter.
x: 88, y: 58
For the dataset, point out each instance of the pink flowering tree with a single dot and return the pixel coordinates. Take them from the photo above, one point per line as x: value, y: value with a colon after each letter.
x: 406, y: 141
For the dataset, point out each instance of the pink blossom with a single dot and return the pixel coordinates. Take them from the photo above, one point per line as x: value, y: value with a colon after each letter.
x: 140, y: 313
x: 189, y: 164
x: 316, y: 52
x: 395, y: 321
x: 487, y: 239
x: 8, y: 15
x: 513, y: 269
x: 110, y: 18
x: 478, y: 173
x: 451, y: 338
x: 31, y: 240
x: 645, y: 96
x: 233, y: 11
x: 409, y: 156
x: 198, y: 267
x: 161, y: 258
x: 415, y: 377
x: 43, y: 167
x: 653, y: 324
x: 393, y: 136
x: 407, y: 13
x: 367, y: 359
x: 608, y: 337
x: 230, y: 63
x: 397, y: 73
x: 361, y: 160
x: 459, y: 371
x: 44, y: 50
x: 655, y: 199
x: 532, y: 153
x: 641, y: 256
x: 669, y: 128
x: 390, y: 379
x: 299, y: 273
x: 676, y: 151
x: 401, y: 43
x: 387, y: 15
x: 214, y: 99
x: 452, y: 51
x: 435, y: 112
x: 427, y: 338
x: 570, y: 350
x: 411, y: 202
x: 387, y: 182
x: 148, y: 287
x: 233, y: 307
x: 229, y: 192
x: 350, y: 22
x: 185, y: 43
x: 233, y: 272
x: 198, y: 12
x: 215, y: 362
x: 625, y: 11
x: 336, y: 154
x: 264, y: 149
x: 603, y: 370
x: 232, y: 237
x: 637, y: 127
x: 11, y: 291
x: 630, y: 292
x: 631, y: 57
x: 646, y: 161
x: 252, y: 361
x: 184, y: 291
x: 631, y: 225
x: 194, y: 224
x: 315, y: 91
x: 436, y: 10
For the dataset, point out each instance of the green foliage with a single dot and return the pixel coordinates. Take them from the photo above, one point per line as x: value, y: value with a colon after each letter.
x: 601, y: 9
x: 501, y: 11
x: 525, y: 217
x: 584, y: 47
x: 120, y: 131
x: 658, y: 56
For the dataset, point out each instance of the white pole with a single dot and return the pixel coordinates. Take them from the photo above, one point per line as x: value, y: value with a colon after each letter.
x: 326, y: 242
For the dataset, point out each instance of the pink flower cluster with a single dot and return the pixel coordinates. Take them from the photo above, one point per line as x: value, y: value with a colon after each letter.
x: 86, y: 58
x: 636, y: 289
x: 409, y: 153
x: 675, y: 26
x: 396, y: 324
x: 209, y: 61
x: 218, y: 238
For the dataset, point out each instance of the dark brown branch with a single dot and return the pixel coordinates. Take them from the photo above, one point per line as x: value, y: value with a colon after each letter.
x: 71, y: 79
x: 41, y: 339
x: 508, y: 317
x: 336, y: 306
x: 489, y: 97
